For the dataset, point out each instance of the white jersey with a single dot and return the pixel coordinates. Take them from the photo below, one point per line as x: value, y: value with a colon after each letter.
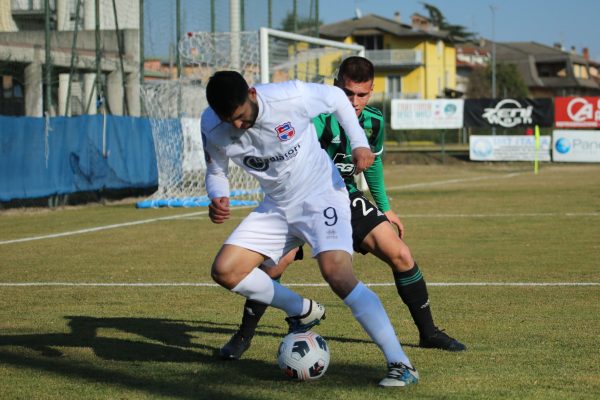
x: 281, y: 150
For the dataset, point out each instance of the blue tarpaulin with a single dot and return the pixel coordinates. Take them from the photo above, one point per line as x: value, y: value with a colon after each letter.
x: 73, y: 155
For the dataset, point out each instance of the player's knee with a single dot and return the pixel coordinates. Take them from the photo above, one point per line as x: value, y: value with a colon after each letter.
x: 402, y: 260
x: 336, y: 269
x: 224, y: 274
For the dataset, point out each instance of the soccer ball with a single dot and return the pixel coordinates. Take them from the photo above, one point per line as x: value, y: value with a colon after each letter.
x: 303, y: 356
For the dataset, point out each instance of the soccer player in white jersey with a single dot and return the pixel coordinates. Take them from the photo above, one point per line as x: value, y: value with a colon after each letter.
x: 267, y: 131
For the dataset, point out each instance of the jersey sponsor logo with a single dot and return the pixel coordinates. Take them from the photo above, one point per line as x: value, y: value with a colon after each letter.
x: 256, y: 163
x: 262, y: 164
x: 343, y: 162
x: 285, y: 131
x: 508, y: 113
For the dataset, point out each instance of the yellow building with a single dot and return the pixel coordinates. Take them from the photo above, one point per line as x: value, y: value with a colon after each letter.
x: 411, y: 61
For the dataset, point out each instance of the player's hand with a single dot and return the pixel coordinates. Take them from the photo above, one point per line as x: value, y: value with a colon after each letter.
x: 218, y: 210
x: 395, y: 220
x: 362, y: 158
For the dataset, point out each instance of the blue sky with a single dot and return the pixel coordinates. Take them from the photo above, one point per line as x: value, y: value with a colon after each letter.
x: 571, y: 22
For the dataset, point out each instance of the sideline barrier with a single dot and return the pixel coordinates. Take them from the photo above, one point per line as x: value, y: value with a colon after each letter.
x: 43, y: 157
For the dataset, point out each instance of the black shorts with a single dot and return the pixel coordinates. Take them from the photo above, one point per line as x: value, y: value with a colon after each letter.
x: 365, y: 217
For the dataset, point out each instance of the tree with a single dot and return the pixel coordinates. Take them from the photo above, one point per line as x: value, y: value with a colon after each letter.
x: 438, y: 19
x: 509, y: 83
x: 300, y: 24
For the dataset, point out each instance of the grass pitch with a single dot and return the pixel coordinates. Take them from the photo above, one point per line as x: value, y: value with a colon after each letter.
x: 109, y: 302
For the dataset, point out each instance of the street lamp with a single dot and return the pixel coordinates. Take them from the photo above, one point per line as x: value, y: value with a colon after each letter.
x: 493, y: 8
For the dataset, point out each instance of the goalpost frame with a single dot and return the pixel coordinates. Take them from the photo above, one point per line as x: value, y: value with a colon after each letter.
x: 264, y: 34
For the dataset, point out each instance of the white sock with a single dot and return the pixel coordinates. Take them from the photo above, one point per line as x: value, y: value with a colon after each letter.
x: 368, y: 310
x: 258, y: 286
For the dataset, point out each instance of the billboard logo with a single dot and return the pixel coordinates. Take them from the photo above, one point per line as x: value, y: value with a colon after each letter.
x: 450, y: 109
x: 563, y: 145
x: 580, y: 109
x: 482, y: 148
x: 508, y: 113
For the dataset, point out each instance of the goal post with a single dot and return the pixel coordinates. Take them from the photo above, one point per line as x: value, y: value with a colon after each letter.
x: 174, y: 106
x: 266, y: 50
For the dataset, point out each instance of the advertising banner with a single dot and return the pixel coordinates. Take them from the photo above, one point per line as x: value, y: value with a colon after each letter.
x: 577, y: 112
x: 508, y: 113
x: 193, y: 151
x: 427, y: 114
x: 508, y: 148
x: 576, y: 146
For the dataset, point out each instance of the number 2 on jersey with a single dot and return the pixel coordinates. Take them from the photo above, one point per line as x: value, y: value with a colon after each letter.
x: 365, y: 209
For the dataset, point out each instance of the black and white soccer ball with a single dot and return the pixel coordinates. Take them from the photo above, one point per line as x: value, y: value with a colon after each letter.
x: 303, y: 356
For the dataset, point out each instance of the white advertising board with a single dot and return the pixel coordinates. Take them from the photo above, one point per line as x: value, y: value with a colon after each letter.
x: 192, y: 152
x: 508, y: 148
x: 575, y: 146
x: 427, y: 114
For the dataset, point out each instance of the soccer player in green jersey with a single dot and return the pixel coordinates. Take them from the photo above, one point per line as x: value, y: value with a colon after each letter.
x: 372, y: 225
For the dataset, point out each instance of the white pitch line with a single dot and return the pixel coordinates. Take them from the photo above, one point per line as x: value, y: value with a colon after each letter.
x: 209, y: 284
x: 101, y: 228
x: 450, y: 181
x: 503, y: 215
x: 416, y: 185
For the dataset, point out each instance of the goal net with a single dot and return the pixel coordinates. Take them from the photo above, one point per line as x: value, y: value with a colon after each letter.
x: 174, y: 106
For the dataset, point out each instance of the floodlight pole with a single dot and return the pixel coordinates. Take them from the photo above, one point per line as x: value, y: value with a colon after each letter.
x: 493, y: 8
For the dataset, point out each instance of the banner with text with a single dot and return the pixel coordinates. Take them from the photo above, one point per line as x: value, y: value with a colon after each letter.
x: 508, y: 148
x: 508, y: 113
x: 577, y: 112
x: 576, y: 146
x: 427, y: 114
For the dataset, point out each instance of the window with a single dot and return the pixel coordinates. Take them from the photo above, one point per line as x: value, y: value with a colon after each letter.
x: 551, y: 69
x: 371, y: 42
x: 394, y: 86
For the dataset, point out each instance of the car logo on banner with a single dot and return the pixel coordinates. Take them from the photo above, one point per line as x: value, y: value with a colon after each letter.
x: 577, y: 112
x: 579, y: 109
x: 285, y: 131
x: 508, y: 113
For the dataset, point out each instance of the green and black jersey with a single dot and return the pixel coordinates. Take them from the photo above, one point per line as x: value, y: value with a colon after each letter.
x: 335, y: 142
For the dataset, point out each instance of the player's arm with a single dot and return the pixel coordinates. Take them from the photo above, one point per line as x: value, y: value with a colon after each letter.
x: 217, y: 183
x: 375, y: 179
x: 330, y: 99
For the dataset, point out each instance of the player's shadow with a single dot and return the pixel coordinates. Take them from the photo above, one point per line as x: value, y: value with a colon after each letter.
x: 145, y: 340
x: 130, y: 340
x: 158, y: 339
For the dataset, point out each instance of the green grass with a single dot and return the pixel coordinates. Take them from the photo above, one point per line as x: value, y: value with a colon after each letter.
x: 472, y: 223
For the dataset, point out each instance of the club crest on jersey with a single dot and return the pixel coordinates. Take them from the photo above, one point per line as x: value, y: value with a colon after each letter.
x: 285, y: 131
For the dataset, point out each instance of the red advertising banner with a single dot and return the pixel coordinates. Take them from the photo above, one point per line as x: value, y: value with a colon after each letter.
x: 577, y: 112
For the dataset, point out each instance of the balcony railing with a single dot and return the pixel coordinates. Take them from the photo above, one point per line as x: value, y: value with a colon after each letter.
x: 30, y: 5
x: 395, y: 58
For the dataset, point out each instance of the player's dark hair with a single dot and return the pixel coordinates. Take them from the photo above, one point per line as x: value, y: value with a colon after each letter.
x: 356, y: 69
x: 226, y: 91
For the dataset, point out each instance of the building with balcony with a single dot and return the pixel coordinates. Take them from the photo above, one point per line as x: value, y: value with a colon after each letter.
x: 411, y: 61
x: 93, y: 60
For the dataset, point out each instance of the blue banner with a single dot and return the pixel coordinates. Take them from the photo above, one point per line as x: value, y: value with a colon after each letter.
x: 74, y: 154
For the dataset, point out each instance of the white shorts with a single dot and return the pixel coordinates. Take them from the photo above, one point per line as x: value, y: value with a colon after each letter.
x: 322, y: 221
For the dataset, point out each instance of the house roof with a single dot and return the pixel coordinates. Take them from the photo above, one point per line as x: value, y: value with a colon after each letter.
x: 540, y: 51
x: 525, y: 55
x: 374, y: 24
